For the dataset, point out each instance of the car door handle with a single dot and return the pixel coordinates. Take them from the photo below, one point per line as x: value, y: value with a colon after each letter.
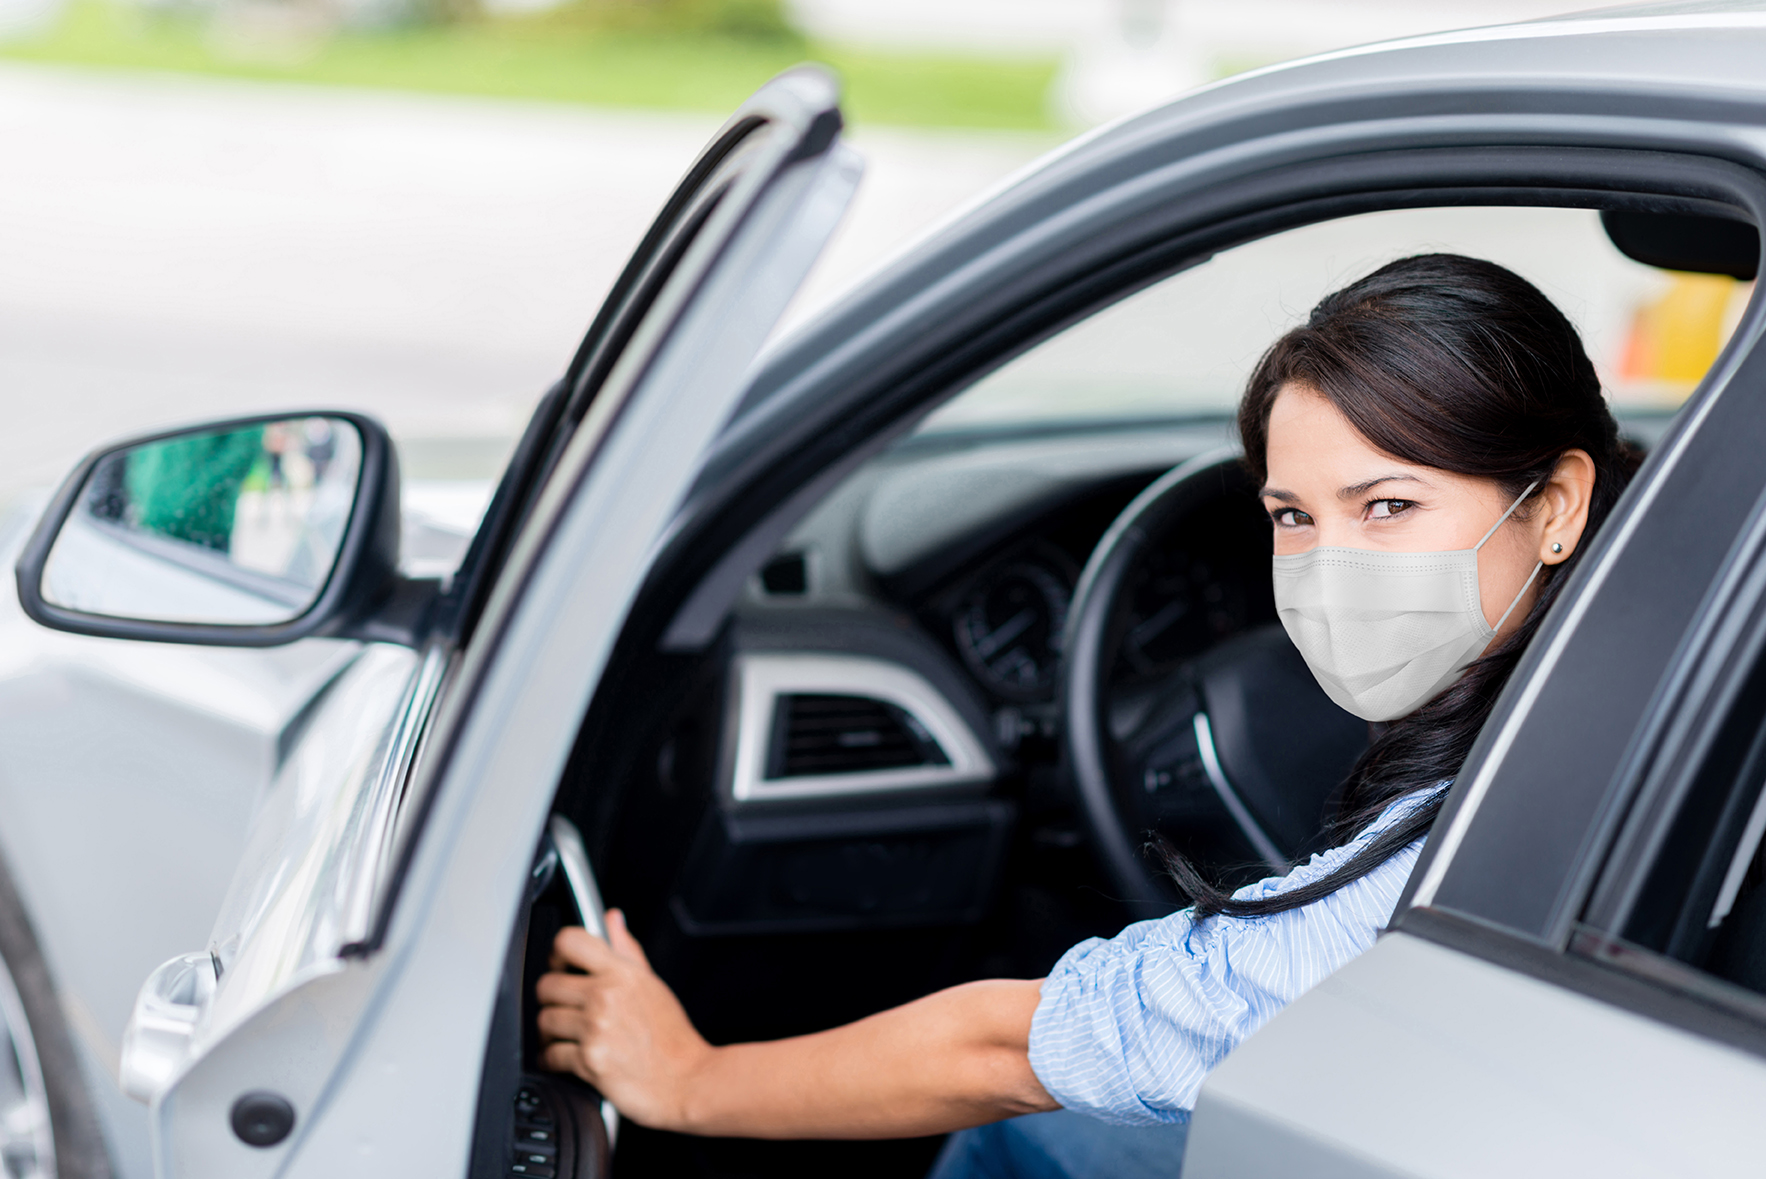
x: 573, y: 859
x: 156, y: 1042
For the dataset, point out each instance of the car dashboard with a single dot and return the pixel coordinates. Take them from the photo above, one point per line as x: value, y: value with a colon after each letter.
x: 874, y: 744
x: 980, y: 540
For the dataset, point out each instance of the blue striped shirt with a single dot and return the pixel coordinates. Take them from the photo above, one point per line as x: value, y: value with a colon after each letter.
x: 1127, y: 1029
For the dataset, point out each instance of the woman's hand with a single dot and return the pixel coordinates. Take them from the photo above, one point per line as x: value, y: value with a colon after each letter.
x: 618, y: 1026
x: 956, y: 1058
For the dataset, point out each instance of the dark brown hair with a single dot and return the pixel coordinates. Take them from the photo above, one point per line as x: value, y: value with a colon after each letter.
x: 1464, y: 366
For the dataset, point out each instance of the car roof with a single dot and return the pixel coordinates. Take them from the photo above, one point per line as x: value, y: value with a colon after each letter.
x: 1710, y: 49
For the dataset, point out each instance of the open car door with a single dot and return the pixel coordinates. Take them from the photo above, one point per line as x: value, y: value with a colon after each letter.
x: 337, y: 1022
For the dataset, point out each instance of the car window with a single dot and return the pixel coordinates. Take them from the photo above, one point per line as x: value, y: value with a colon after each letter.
x: 1737, y: 920
x: 1184, y: 346
x: 1700, y: 901
x: 1152, y: 380
x: 976, y: 527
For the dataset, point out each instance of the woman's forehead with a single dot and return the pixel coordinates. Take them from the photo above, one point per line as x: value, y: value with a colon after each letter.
x: 1314, y: 450
x: 1306, y: 430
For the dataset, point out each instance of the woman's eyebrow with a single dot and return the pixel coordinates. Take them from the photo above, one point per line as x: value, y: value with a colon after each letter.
x: 1356, y: 489
x: 1286, y: 497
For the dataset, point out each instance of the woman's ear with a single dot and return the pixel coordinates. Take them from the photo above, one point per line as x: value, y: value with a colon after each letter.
x: 1568, y: 494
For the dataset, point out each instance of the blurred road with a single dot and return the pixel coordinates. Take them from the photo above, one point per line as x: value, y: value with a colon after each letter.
x: 173, y: 248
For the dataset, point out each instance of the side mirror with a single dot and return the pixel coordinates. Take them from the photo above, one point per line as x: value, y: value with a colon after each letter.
x: 244, y: 533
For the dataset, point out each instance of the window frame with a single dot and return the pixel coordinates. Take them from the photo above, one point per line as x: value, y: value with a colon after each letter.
x: 1725, y: 688
x: 819, y: 410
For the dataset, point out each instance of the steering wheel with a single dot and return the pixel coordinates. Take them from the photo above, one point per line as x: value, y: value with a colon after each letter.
x: 1234, y: 756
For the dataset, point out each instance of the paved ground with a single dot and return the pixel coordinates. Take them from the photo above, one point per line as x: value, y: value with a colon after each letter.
x: 173, y: 248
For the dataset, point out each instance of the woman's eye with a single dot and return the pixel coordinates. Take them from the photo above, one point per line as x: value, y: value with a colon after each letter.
x: 1385, y: 508
x: 1290, y: 518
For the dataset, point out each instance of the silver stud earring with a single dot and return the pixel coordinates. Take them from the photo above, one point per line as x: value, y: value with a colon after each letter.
x: 1557, y: 548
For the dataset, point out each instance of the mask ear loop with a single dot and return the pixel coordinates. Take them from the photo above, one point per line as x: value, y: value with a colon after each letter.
x: 1502, y: 519
x: 1537, y: 565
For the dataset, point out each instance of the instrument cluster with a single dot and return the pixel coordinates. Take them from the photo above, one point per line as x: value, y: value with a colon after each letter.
x: 1009, y: 622
x: 1205, y: 580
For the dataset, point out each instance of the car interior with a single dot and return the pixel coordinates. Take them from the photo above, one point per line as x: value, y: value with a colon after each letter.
x: 933, y: 735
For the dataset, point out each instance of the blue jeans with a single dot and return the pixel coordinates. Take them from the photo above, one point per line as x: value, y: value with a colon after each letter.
x: 1063, y: 1145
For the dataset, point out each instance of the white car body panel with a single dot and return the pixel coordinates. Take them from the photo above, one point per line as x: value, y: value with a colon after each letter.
x: 151, y: 760
x: 1363, y: 1076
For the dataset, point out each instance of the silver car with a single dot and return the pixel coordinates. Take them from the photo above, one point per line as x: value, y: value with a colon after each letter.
x: 858, y: 663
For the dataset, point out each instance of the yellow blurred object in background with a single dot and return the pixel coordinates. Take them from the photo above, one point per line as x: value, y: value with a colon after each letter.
x: 1676, y: 337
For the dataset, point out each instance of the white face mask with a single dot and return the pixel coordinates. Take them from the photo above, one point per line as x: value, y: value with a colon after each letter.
x: 1384, y: 632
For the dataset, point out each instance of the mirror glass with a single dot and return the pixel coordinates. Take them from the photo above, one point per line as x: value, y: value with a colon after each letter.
x: 239, y: 526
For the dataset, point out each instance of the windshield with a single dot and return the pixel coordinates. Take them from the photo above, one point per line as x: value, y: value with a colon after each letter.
x: 1184, y: 347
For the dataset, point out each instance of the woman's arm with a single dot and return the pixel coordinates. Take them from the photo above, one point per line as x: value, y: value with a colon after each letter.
x: 953, y: 1059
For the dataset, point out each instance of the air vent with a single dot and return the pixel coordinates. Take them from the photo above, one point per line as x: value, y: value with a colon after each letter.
x: 813, y: 724
x: 815, y: 735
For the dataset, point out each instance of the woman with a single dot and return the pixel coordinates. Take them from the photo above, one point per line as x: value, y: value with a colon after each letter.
x: 1435, y: 452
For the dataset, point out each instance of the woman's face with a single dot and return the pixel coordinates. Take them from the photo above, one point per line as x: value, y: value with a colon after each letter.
x: 1328, y: 486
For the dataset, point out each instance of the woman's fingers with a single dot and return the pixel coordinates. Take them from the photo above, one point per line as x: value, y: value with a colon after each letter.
x: 561, y: 990
x: 562, y: 1023
x: 583, y: 950
x: 564, y: 1057
x: 576, y: 946
x: 618, y: 1025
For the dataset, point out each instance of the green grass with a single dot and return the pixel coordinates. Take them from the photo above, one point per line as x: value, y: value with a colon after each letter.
x: 556, y: 61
